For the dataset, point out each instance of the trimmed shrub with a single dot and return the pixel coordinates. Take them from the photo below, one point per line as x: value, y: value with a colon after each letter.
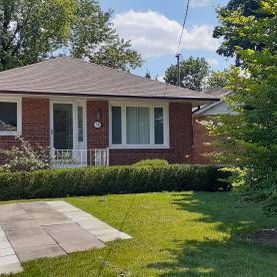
x: 151, y: 163
x: 109, y: 180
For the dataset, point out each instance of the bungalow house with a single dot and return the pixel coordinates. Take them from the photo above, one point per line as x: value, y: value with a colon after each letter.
x: 94, y: 115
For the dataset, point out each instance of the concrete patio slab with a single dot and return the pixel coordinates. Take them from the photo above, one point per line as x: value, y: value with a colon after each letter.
x: 9, y: 262
x: 89, y: 222
x: 72, y: 237
x: 35, y: 252
x: 35, y: 230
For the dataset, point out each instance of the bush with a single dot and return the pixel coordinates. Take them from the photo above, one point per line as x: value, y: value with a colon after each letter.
x: 109, y: 180
x: 152, y: 163
x: 25, y: 157
x: 262, y: 187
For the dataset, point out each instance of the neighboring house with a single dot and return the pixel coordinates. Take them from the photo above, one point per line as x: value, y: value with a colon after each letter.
x: 202, y: 140
x: 94, y: 115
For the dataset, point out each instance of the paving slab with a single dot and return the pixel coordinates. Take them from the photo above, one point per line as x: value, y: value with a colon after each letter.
x: 11, y: 268
x: 8, y: 211
x: 101, y: 230
x: 6, y: 251
x: 35, y: 252
x: 44, y: 214
x: 72, y: 237
x: 9, y: 262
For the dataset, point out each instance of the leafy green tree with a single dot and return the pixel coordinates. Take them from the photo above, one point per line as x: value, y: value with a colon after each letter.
x: 223, y: 31
x: 94, y: 38
x: 217, y: 79
x: 251, y: 133
x: 32, y: 30
x: 192, y: 73
x: 29, y: 29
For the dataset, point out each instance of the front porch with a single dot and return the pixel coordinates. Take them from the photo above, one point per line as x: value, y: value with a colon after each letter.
x: 71, y: 158
x: 69, y: 142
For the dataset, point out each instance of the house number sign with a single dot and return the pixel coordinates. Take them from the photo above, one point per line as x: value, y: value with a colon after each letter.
x: 97, y: 125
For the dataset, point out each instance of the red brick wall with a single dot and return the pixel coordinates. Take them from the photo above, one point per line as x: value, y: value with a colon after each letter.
x: 97, y: 138
x: 181, y: 139
x: 35, y: 124
x: 35, y: 129
x: 201, y: 141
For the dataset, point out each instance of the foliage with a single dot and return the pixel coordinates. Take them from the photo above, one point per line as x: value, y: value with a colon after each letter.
x: 224, y: 30
x: 152, y: 163
x: 192, y: 73
x: 108, y: 180
x: 94, y: 38
x: 217, y: 79
x: 25, y: 158
x: 263, y: 188
x: 251, y: 133
x: 32, y: 30
x: 29, y: 29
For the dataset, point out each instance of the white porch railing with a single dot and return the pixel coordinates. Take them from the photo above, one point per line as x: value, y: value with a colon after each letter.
x: 70, y: 158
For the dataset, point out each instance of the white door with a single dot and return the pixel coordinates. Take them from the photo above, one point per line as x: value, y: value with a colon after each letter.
x: 68, y: 132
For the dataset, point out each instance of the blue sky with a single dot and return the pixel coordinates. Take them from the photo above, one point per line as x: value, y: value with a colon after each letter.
x: 154, y: 27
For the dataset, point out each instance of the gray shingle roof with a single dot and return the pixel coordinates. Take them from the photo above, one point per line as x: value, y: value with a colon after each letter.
x: 217, y: 92
x: 69, y: 76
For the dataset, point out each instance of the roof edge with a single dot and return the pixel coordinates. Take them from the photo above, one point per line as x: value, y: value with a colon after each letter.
x: 200, y: 99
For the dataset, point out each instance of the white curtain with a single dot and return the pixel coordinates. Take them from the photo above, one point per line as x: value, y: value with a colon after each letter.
x: 138, y: 125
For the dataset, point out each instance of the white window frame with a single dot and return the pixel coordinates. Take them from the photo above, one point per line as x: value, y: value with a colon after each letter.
x: 18, y: 101
x: 152, y: 144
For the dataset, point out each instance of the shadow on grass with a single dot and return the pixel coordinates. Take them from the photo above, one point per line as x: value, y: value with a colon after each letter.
x: 225, y: 255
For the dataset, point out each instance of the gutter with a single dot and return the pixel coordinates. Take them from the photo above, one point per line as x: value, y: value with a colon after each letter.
x: 208, y: 99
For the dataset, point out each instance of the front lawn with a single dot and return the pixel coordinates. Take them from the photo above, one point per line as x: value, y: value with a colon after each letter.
x: 175, y: 234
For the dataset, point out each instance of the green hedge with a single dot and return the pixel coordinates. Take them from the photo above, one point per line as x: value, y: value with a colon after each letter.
x: 152, y: 163
x: 109, y: 180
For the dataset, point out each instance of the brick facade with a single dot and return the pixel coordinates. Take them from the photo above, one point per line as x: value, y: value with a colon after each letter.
x: 97, y: 138
x: 180, y: 136
x: 201, y: 141
x: 35, y: 124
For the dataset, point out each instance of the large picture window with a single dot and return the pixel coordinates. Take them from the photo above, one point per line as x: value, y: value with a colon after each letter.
x: 9, y: 117
x: 139, y: 126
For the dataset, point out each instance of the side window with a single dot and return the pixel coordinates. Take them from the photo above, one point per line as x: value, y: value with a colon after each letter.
x: 9, y: 118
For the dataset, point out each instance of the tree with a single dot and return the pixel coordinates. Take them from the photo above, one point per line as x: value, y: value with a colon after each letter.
x: 29, y: 29
x: 192, y: 72
x: 223, y: 31
x: 251, y: 133
x: 94, y: 38
x: 32, y: 30
x: 217, y: 79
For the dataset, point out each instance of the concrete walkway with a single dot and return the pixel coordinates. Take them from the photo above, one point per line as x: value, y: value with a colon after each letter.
x: 35, y: 230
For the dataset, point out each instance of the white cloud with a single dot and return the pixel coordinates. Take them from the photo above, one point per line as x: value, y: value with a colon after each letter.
x: 201, y: 3
x: 153, y: 34
x: 212, y: 62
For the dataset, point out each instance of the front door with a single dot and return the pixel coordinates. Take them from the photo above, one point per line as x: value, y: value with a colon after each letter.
x: 63, y: 137
x: 68, y: 132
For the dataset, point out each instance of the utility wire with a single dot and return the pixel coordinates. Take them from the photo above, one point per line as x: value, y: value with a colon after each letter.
x: 183, y: 28
x: 181, y: 37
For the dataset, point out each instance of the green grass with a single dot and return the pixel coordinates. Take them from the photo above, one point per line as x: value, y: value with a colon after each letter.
x: 175, y: 234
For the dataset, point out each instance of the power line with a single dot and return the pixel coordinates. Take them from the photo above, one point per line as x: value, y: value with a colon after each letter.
x: 178, y: 55
x: 183, y: 28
